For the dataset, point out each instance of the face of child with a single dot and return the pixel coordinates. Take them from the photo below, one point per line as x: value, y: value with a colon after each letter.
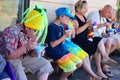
x: 65, y: 19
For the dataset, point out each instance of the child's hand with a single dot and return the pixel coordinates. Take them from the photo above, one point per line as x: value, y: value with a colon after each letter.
x: 67, y: 33
x: 71, y: 30
x: 42, y: 53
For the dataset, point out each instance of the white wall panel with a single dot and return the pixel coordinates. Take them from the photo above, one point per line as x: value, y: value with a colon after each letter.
x: 51, y: 5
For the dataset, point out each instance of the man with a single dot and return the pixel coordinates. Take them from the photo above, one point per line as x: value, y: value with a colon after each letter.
x: 20, y: 43
x: 103, y: 27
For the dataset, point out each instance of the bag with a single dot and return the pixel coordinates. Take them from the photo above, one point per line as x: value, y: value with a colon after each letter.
x: 2, y: 64
x: 10, y: 71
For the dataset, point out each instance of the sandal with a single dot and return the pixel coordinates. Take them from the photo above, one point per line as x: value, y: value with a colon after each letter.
x: 108, y: 73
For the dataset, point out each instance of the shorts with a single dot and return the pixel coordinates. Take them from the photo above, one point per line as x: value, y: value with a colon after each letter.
x: 105, y: 39
x: 68, y: 62
x: 75, y: 49
x: 38, y: 67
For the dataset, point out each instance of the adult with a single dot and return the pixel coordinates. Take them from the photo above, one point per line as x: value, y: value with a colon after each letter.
x: 102, y: 30
x: 100, y: 17
x: 20, y: 40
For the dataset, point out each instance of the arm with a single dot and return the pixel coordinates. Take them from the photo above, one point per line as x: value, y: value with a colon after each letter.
x: 73, y: 32
x: 16, y: 44
x: 58, y: 41
x: 17, y: 53
x: 81, y: 29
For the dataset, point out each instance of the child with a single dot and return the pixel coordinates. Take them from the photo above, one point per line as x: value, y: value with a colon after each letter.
x: 67, y: 61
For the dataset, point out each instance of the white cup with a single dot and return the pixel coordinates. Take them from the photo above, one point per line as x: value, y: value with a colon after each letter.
x: 67, y: 30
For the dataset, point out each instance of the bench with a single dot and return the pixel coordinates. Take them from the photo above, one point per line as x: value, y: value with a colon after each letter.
x: 46, y: 57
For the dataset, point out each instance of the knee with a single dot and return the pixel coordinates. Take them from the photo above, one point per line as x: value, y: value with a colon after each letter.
x: 116, y: 43
x: 79, y: 65
x: 108, y: 44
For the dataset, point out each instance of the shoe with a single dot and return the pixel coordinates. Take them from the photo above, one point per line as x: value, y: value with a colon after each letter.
x: 108, y: 73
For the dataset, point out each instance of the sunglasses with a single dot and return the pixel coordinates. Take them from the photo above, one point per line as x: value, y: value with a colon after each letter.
x: 84, y: 2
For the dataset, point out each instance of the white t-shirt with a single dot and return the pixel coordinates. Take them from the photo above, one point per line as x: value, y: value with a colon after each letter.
x: 95, y: 16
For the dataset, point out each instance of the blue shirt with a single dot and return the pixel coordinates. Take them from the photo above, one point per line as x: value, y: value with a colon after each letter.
x: 54, y: 33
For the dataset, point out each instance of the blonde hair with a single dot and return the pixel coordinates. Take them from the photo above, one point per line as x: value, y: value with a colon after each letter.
x: 79, y: 5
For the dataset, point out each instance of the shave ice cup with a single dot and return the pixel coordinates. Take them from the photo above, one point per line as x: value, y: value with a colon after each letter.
x: 66, y: 28
x: 39, y: 48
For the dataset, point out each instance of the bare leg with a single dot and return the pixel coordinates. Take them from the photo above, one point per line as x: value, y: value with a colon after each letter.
x: 105, y: 57
x: 97, y: 57
x: 107, y: 46
x: 64, y: 75
x: 115, y: 45
x: 87, y: 68
x: 110, y: 47
x: 43, y: 77
x: 101, y: 48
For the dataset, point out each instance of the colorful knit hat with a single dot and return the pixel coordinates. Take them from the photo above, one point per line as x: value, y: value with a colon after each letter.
x: 36, y: 18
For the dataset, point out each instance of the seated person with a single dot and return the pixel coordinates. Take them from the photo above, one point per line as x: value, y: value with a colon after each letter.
x: 67, y: 61
x: 99, y: 17
x: 20, y: 39
x: 94, y: 47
